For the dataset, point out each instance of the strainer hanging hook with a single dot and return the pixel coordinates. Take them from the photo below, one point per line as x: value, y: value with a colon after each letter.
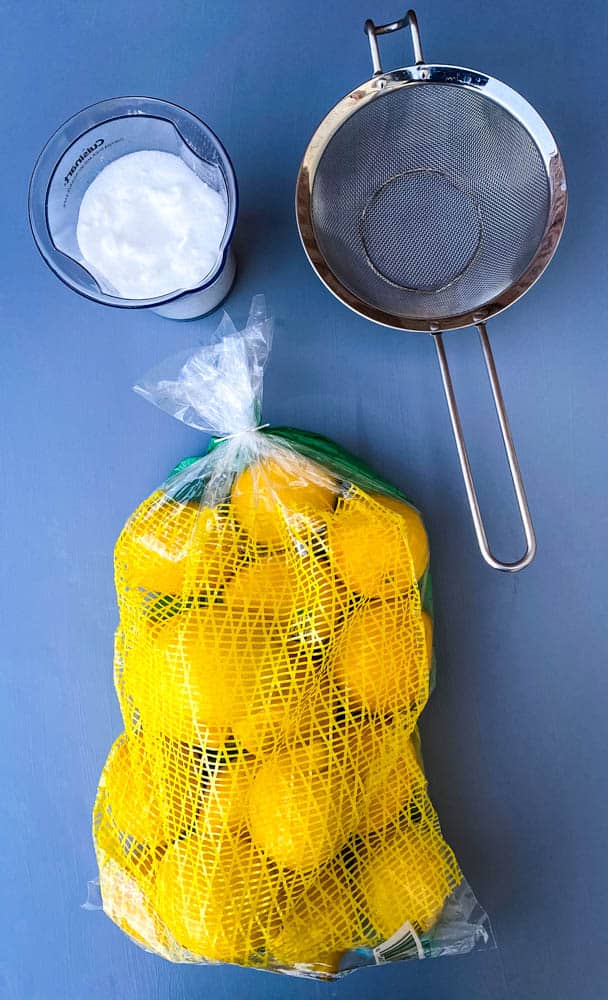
x: 373, y: 30
x: 431, y: 198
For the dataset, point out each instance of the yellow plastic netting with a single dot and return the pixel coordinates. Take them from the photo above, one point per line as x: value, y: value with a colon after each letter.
x: 266, y: 803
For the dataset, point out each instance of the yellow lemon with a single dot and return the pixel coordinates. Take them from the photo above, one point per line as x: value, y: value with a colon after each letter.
x: 294, y: 590
x: 271, y: 586
x: 408, y: 879
x: 268, y: 493
x: 369, y: 550
x: 391, y: 780
x: 130, y: 796
x: 279, y: 700
x: 321, y: 923
x: 217, y: 898
x: 166, y: 544
x: 305, y: 713
x: 226, y: 799
x: 259, y: 730
x: 302, y: 806
x: 379, y: 659
x: 414, y: 528
x: 274, y: 711
x: 150, y: 792
x: 205, y: 670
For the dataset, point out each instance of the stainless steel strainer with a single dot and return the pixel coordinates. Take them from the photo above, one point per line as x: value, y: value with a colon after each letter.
x: 430, y: 198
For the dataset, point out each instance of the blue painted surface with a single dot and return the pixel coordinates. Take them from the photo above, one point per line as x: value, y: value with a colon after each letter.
x: 515, y: 735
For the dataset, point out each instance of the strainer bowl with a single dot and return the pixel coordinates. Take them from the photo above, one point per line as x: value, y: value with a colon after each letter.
x: 430, y: 198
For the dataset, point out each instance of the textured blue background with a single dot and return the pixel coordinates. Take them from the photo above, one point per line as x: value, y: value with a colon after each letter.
x: 515, y: 735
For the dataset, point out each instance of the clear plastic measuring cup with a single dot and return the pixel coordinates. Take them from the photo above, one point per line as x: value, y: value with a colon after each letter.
x: 88, y: 142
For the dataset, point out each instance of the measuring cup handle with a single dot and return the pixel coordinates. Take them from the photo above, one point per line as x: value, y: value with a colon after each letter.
x: 373, y: 30
x: 465, y: 465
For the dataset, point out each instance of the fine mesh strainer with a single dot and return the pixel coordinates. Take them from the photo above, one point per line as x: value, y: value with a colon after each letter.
x: 430, y: 198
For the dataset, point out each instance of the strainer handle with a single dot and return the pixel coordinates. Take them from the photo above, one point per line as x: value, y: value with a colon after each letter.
x: 465, y: 465
x: 373, y: 30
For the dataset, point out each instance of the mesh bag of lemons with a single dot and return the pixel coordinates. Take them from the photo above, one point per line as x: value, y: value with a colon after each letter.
x: 266, y: 803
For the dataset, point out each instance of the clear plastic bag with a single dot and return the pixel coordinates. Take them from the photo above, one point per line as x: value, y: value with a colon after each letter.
x: 266, y: 803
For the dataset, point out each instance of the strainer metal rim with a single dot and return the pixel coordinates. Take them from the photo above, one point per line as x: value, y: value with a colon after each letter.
x: 493, y: 90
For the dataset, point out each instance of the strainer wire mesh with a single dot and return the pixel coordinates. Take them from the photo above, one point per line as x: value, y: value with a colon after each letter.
x: 429, y: 201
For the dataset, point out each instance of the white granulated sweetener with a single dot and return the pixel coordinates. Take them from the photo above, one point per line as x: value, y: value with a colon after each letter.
x: 149, y: 226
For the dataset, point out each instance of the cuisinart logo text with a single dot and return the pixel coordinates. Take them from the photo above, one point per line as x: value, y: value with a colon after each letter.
x: 86, y: 152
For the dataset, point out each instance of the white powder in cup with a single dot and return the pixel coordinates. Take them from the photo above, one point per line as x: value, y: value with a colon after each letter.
x: 149, y: 226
